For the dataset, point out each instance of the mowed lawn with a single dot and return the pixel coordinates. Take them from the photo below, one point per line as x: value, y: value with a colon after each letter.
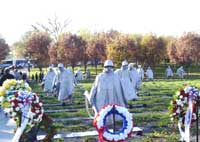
x: 153, y: 117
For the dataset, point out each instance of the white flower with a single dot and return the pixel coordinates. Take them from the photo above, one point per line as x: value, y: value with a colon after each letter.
x: 107, y: 136
x: 11, y: 109
x: 116, y: 137
x: 17, y: 108
x: 185, y: 99
x: 18, y: 86
x: 178, y: 110
x: 13, y: 114
x: 179, y: 102
x: 20, y: 105
x: 121, y: 136
x: 12, y: 99
x: 37, y: 99
x: 12, y: 87
x: 194, y: 116
x: 1, y: 99
x: 174, y: 114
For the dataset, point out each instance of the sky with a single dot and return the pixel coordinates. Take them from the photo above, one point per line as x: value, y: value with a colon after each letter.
x: 161, y: 17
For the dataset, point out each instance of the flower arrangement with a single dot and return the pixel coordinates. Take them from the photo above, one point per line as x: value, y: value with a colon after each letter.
x: 35, y: 114
x: 180, y: 102
x: 22, y: 99
x: 11, y: 85
x: 183, y: 110
x: 9, y: 88
x: 100, y: 123
x: 26, y: 105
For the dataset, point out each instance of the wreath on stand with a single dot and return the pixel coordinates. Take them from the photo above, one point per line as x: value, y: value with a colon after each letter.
x: 100, y: 122
x: 183, y: 109
x: 24, y: 104
x: 178, y: 106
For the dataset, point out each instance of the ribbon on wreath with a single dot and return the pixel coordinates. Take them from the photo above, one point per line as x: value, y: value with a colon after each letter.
x: 26, y: 98
x: 20, y: 129
x: 193, y: 93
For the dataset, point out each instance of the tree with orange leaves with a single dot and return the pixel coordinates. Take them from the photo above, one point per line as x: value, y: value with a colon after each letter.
x: 96, y: 51
x: 71, y: 49
x: 37, y: 47
x: 121, y: 48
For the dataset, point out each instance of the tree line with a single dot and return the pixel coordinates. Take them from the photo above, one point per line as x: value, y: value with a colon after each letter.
x: 83, y: 47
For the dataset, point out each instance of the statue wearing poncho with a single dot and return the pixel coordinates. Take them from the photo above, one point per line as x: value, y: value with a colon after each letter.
x: 135, y: 79
x: 106, y: 89
x: 149, y: 74
x: 169, y: 72
x: 180, y: 72
x: 49, y: 80
x: 140, y: 72
x: 141, y: 76
x: 65, y: 81
x: 125, y: 78
x: 78, y: 76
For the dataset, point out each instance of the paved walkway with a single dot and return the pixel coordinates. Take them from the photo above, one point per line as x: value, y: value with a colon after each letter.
x: 7, y: 126
x: 84, y: 134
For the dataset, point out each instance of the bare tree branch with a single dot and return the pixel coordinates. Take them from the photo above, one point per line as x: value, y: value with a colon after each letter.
x: 53, y: 27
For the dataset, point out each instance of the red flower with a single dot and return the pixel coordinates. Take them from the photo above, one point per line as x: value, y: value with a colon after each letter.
x: 174, y: 102
x: 16, y: 95
x: 37, y: 105
x: 32, y: 110
x: 14, y: 101
x: 182, y: 92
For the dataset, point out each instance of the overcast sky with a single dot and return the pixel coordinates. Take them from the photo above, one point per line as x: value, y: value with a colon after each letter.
x: 162, y: 17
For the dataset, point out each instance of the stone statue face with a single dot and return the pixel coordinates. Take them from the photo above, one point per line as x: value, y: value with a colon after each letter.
x: 61, y: 69
x: 108, y: 69
x: 124, y: 67
x: 130, y: 68
x: 50, y: 69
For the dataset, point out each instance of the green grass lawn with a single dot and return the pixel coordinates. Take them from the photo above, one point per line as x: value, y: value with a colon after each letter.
x: 159, y: 70
x: 154, y: 118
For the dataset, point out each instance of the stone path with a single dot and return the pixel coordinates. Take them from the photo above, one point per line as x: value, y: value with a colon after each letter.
x: 136, y: 130
x: 7, y: 127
